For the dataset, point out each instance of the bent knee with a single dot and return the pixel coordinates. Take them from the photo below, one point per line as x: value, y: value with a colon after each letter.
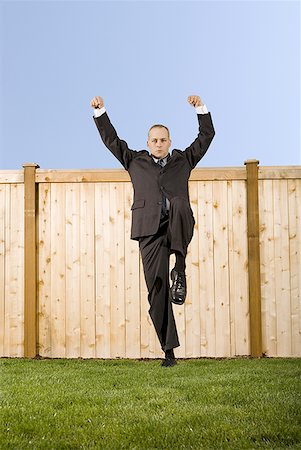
x: 180, y: 203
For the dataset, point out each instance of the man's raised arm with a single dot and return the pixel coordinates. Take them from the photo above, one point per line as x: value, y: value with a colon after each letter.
x: 108, y: 134
x: 195, y: 152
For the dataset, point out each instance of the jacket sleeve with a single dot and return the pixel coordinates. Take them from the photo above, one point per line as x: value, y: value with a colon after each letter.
x: 195, y: 152
x: 118, y: 147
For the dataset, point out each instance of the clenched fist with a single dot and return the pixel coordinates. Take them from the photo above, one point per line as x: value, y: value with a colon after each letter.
x: 97, y: 102
x: 195, y: 100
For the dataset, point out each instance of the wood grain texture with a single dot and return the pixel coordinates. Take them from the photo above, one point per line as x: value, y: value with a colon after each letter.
x: 91, y: 292
x: 16, y: 288
x: 132, y: 275
x: 294, y: 208
x: 267, y: 267
x: 102, y: 263
x: 87, y: 270
x: 3, y: 245
x: 192, y: 304
x: 221, y: 269
x: 206, y: 269
x: 238, y: 261
x: 30, y: 263
x: 254, y: 258
x: 74, y: 270
x: 282, y: 276
x: 58, y: 271
x: 44, y: 271
x: 12, y: 270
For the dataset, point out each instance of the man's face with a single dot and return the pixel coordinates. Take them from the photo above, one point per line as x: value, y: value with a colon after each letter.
x: 158, y: 142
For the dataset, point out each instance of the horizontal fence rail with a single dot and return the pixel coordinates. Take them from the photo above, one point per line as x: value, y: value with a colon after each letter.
x: 72, y: 282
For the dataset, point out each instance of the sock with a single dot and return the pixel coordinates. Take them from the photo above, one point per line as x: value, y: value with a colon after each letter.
x: 180, y: 263
x: 169, y: 353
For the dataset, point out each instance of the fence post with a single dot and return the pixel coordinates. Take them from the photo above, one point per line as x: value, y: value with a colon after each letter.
x: 254, y: 257
x: 30, y: 269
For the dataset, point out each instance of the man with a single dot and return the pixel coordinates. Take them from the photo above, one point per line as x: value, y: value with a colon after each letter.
x: 162, y: 219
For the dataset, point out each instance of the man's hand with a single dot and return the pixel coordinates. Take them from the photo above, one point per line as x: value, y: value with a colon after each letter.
x: 97, y: 102
x: 195, y: 100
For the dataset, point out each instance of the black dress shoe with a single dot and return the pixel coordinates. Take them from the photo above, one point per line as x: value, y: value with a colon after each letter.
x: 169, y: 360
x: 178, y: 288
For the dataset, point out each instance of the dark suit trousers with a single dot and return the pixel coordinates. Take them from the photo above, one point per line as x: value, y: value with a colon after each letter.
x: 174, y: 235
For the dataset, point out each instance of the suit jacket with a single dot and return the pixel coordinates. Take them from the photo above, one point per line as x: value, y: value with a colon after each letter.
x: 149, y: 179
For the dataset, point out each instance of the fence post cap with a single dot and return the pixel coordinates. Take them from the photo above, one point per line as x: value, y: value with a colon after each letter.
x: 251, y: 161
x: 30, y: 165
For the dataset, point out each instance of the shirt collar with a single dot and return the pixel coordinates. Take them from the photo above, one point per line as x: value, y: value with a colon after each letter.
x: 164, y: 159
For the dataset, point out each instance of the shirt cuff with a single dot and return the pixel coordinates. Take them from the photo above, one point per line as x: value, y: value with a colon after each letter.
x: 99, y: 111
x: 201, y: 109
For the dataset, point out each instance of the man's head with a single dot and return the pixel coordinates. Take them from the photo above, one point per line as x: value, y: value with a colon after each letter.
x: 159, y: 140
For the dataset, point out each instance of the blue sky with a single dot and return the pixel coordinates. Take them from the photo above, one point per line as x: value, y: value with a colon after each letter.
x: 144, y: 58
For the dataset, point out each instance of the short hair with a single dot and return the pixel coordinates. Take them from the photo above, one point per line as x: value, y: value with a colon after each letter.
x: 159, y: 125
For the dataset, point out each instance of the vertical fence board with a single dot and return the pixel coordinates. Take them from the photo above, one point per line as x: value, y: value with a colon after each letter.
x: 103, y: 310
x: 297, y: 300
x: 239, y: 288
x: 73, y: 271
x: 232, y: 284
x: 294, y: 198
x: 87, y: 256
x: 193, y: 330
x: 12, y: 330
x: 17, y: 278
x: 8, y: 270
x: 58, y: 271
x: 132, y: 267
x: 99, y: 274
x: 221, y: 266
x: 282, y: 279
x: 44, y: 270
x: 119, y: 239
x: 206, y: 269
x: 117, y: 270
x: 298, y: 268
x: 267, y: 267
x: 3, y: 212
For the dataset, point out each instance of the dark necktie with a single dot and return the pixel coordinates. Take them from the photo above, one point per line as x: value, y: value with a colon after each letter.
x: 162, y: 163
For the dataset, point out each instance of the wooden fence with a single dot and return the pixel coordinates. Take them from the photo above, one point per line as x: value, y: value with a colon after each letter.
x: 72, y: 284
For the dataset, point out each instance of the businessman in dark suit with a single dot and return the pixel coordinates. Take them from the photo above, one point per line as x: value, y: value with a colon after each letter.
x: 162, y: 218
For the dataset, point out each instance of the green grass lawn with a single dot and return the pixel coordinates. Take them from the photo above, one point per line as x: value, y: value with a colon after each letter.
x: 113, y: 404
